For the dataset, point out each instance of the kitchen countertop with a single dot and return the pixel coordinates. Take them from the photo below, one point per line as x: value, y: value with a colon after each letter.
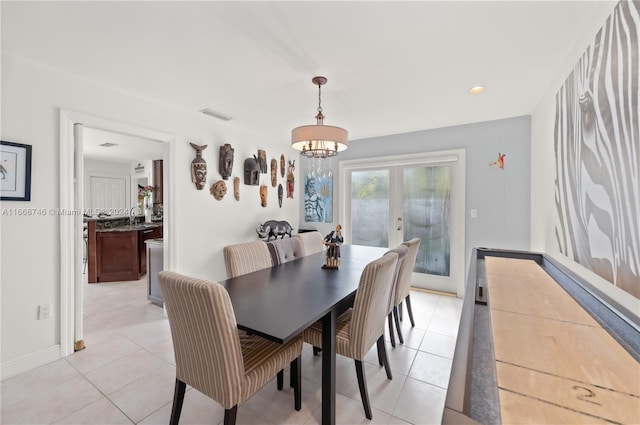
x: 109, y: 217
x: 130, y: 227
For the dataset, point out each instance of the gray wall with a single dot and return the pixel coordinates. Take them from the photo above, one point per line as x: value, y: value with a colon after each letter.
x: 502, y: 197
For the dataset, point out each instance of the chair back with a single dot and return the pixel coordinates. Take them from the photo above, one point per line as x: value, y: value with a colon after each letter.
x: 285, y: 250
x: 246, y: 257
x: 205, y: 336
x: 402, y: 252
x: 311, y: 242
x: 406, y: 270
x: 371, y: 305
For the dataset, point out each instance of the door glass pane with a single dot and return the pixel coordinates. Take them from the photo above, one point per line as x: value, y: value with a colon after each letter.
x: 426, y: 216
x: 370, y: 208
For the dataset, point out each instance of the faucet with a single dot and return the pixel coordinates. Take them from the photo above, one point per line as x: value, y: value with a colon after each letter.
x: 132, y: 216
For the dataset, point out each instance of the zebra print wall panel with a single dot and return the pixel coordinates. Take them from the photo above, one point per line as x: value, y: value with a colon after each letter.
x: 597, y: 154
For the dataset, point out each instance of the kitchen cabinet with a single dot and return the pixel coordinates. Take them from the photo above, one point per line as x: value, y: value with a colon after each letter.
x: 117, y: 256
x: 120, y: 252
x: 157, y: 181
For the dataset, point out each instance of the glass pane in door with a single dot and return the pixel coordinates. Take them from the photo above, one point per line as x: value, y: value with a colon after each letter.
x: 427, y: 197
x: 370, y: 208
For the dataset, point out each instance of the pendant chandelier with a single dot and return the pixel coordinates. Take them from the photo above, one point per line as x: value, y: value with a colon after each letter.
x: 319, y: 142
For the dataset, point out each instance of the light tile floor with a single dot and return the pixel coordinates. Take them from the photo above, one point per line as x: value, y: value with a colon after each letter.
x: 126, y: 373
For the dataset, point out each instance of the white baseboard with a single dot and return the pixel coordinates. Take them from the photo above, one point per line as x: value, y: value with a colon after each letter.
x: 29, y: 361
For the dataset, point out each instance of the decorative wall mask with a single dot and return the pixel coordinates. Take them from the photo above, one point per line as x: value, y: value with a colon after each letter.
x: 263, y: 195
x: 198, y: 167
x: 218, y: 189
x: 236, y: 188
x: 274, y: 172
x: 225, y: 164
x: 262, y: 160
x: 280, y: 193
x: 251, y: 171
x: 290, y: 178
x: 281, y: 165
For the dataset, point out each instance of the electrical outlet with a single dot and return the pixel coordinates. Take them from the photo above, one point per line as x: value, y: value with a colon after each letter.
x: 44, y: 311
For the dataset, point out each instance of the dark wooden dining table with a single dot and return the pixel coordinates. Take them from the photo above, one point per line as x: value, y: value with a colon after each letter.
x: 280, y: 302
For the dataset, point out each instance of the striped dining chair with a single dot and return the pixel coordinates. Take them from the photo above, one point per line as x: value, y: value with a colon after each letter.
x: 246, y: 257
x: 211, y: 355
x: 403, y: 286
x: 311, y: 242
x: 360, y: 327
x: 402, y: 252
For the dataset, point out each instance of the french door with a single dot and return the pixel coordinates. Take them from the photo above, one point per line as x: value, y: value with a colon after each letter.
x: 394, y: 200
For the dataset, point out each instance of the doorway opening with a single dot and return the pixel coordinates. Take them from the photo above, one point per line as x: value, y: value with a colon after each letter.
x: 72, y: 125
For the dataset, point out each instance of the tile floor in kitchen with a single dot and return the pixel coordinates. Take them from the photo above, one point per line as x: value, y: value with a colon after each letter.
x: 126, y: 373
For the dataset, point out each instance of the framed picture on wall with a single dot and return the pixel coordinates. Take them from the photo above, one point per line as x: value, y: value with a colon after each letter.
x: 318, y: 199
x: 15, y: 171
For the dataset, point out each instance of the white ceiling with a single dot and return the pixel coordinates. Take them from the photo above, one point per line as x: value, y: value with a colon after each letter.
x: 126, y: 148
x: 393, y: 67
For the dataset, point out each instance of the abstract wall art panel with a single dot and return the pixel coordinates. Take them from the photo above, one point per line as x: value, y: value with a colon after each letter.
x: 597, y: 154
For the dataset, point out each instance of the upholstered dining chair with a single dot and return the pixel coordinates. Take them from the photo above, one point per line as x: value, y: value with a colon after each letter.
x: 311, y: 242
x: 360, y: 327
x: 285, y: 250
x: 246, y: 257
x: 402, y: 251
x: 403, y: 285
x: 211, y: 355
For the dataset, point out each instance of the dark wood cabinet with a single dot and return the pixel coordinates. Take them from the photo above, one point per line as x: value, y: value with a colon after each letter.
x: 122, y: 254
x: 117, y: 256
x: 157, y: 181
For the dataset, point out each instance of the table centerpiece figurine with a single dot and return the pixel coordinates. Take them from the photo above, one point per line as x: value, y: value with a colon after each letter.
x: 333, y: 241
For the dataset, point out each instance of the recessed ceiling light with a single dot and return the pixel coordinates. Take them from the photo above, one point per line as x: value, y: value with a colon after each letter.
x: 108, y: 144
x: 476, y: 89
x: 215, y: 114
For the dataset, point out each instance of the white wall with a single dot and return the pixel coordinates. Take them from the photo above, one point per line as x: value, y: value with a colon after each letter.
x: 31, y: 100
x: 543, y: 217
x: 500, y: 196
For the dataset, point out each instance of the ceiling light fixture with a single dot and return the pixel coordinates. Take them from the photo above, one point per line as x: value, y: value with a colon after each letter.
x: 319, y: 140
x: 476, y: 89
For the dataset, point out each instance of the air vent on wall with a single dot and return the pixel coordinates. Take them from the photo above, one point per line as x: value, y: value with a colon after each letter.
x: 215, y: 114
